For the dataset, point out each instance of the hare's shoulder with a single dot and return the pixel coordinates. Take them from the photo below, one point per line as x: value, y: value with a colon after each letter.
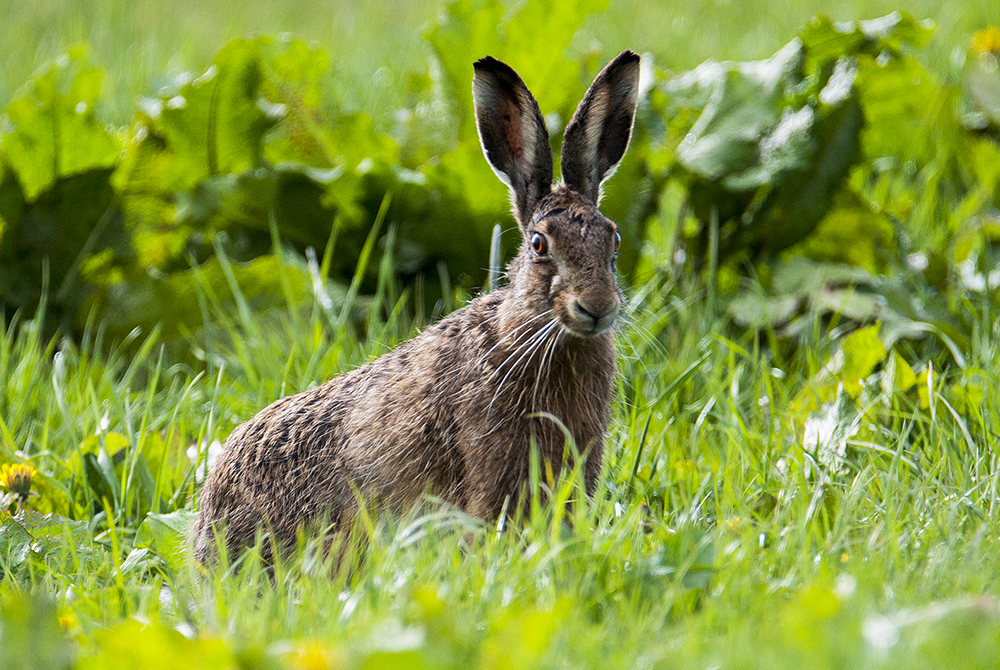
x: 473, y: 327
x: 442, y: 355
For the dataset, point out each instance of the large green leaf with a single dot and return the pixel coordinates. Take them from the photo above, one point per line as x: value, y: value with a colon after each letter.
x: 894, y: 32
x: 765, y: 147
x: 803, y: 292
x: 56, y: 200
x: 204, y: 127
x: 466, y: 30
x: 851, y: 233
x: 15, y: 543
x: 245, y: 146
x: 215, y: 123
x: 533, y: 40
x: 52, y: 130
x: 48, y: 241
x: 743, y: 105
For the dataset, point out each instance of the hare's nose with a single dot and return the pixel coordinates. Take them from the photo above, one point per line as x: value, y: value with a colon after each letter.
x: 594, y: 317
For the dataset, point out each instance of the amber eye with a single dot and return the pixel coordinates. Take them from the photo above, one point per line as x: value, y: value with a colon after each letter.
x: 618, y: 241
x: 539, y: 244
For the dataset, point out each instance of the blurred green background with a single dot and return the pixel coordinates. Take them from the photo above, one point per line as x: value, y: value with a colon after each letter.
x: 141, y: 42
x: 347, y: 126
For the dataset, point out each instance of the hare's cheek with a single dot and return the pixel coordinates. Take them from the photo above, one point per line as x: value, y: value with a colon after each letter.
x: 555, y: 285
x: 557, y: 298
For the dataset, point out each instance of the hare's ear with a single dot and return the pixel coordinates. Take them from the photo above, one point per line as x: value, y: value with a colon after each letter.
x: 598, y: 133
x: 513, y: 134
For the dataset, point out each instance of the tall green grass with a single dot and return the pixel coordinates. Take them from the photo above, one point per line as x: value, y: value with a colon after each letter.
x: 713, y: 538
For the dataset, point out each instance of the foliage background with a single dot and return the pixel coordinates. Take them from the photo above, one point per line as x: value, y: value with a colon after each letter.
x: 802, y: 469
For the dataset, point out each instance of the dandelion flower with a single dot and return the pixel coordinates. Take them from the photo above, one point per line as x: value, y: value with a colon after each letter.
x: 986, y: 41
x: 16, y: 478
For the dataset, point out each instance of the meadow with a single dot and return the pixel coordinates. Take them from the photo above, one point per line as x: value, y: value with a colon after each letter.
x: 802, y: 467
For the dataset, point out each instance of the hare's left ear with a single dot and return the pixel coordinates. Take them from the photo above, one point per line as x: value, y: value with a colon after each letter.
x: 513, y: 135
x: 598, y: 134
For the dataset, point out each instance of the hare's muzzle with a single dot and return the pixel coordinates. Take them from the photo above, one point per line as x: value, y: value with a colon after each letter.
x: 592, y: 317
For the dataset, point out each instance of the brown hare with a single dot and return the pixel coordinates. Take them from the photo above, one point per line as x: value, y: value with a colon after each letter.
x: 457, y: 410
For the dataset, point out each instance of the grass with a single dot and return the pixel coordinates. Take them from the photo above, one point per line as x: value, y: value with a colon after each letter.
x: 713, y: 540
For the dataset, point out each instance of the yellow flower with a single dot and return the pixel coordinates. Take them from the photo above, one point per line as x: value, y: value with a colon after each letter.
x: 986, y: 41
x: 16, y: 478
x: 68, y: 620
x: 316, y: 655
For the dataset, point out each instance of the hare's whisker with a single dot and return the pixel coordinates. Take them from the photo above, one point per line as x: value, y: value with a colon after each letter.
x: 529, y: 348
x: 507, y: 336
x: 629, y: 323
x: 527, y: 344
x: 545, y: 364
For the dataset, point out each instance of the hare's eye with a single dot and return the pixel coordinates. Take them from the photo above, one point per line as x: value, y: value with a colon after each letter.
x: 539, y: 244
x: 618, y: 241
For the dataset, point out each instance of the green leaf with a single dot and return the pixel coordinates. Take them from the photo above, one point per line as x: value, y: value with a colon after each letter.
x: 753, y: 310
x: 805, y: 277
x: 166, y: 534
x: 743, y: 103
x: 533, y: 41
x: 900, y: 100
x: 862, y: 350
x: 56, y: 201
x: 216, y: 123
x: 851, y: 303
x: 464, y: 30
x: 536, y: 40
x: 765, y: 147
x: 896, y: 32
x: 307, y: 133
x: 54, y: 132
x: 204, y: 127
x: 15, y: 543
x: 310, y: 173
x: 851, y: 233
x: 902, y: 376
x: 49, y: 529
x: 45, y: 240
x: 304, y: 202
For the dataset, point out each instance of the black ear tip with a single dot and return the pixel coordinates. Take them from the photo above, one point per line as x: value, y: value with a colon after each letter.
x: 485, y: 62
x: 489, y: 64
x: 626, y: 59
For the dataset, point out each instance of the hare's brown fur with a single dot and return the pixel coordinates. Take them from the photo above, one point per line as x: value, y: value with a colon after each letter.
x: 456, y: 410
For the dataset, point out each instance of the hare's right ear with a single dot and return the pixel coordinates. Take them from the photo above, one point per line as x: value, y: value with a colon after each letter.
x: 598, y: 133
x: 513, y: 135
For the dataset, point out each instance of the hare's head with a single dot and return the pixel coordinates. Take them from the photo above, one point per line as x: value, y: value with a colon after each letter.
x: 566, y: 262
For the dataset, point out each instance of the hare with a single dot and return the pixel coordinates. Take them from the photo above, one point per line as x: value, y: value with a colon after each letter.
x: 457, y: 410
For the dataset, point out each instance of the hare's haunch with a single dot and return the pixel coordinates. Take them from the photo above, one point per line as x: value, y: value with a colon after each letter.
x: 455, y: 411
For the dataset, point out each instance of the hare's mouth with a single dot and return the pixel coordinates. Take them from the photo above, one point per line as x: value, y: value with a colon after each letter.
x: 590, y: 320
